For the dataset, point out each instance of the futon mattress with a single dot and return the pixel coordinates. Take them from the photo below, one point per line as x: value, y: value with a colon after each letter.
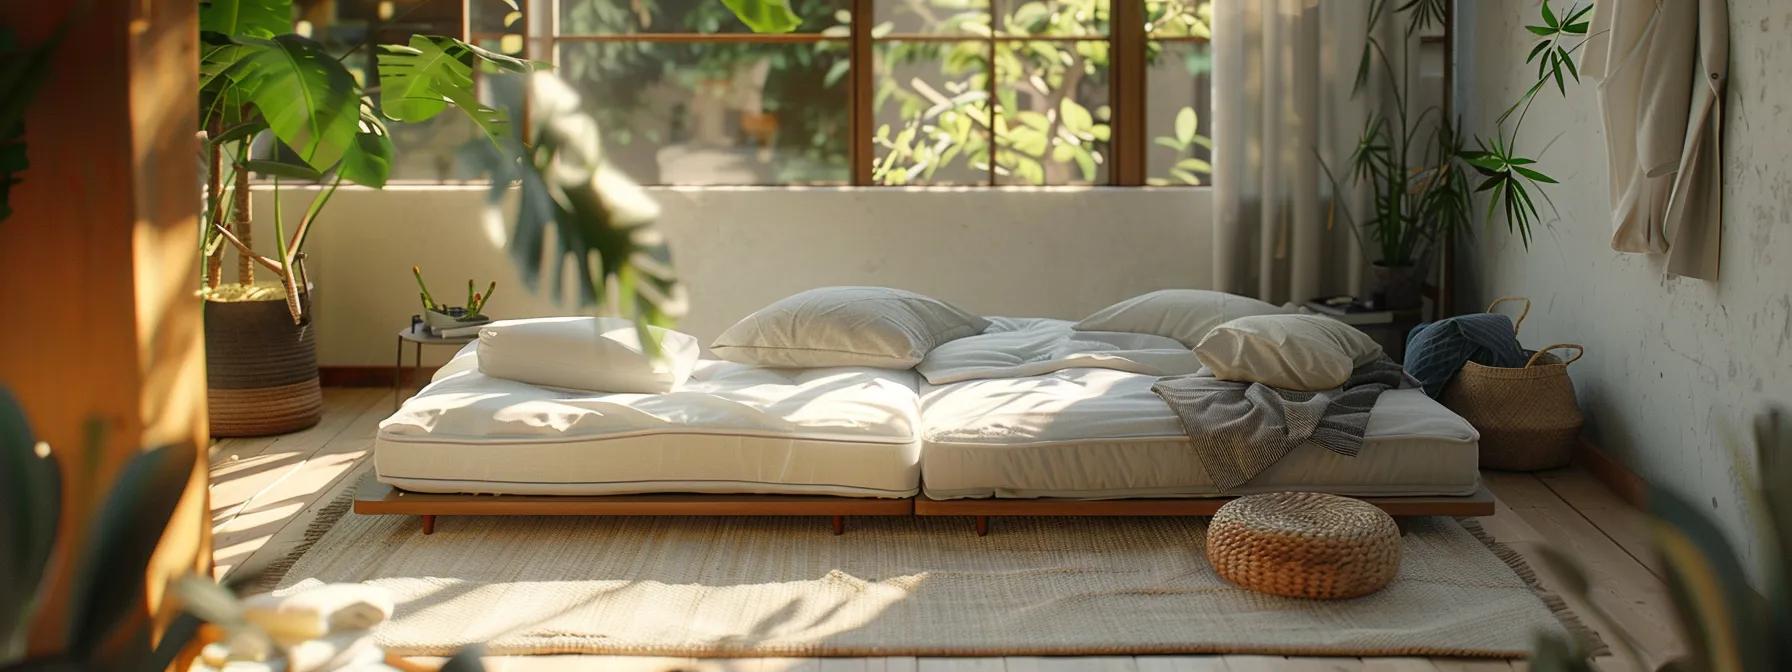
x: 730, y: 429
x: 1100, y: 433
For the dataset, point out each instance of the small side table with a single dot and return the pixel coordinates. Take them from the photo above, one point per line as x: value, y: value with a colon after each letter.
x: 419, y: 336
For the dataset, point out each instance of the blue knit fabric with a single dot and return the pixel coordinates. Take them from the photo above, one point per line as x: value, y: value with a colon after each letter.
x: 1435, y: 351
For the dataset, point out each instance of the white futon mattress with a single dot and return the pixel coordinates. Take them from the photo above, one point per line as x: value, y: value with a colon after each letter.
x: 730, y: 429
x: 1100, y: 433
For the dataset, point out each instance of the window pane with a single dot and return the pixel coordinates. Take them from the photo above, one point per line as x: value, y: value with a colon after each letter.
x: 931, y: 120
x: 1054, y: 18
x: 613, y: 17
x: 710, y: 113
x: 1054, y: 109
x: 932, y: 17
x: 1177, y: 122
x: 1169, y: 19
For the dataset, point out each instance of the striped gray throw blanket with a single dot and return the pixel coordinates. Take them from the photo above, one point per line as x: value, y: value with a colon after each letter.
x: 1240, y: 429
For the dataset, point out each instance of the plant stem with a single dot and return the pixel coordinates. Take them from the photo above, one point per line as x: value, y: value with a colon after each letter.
x: 296, y: 246
x: 243, y: 250
x: 240, y: 222
x: 214, y: 184
x: 429, y: 302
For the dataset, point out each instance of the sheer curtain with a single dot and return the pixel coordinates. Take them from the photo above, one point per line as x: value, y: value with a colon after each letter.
x: 1283, y: 74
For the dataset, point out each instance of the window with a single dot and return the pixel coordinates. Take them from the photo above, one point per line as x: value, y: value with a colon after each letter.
x: 926, y: 92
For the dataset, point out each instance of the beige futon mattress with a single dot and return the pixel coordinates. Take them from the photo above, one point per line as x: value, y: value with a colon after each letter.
x: 730, y: 429
x: 1102, y: 434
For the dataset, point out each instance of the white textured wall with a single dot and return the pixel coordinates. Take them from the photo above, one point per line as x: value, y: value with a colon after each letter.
x: 1043, y: 252
x: 1672, y: 363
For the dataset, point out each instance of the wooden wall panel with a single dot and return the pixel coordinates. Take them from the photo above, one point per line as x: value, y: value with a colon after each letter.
x: 98, y: 262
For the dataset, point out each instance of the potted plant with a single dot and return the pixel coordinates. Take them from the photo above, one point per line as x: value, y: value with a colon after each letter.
x: 276, y: 103
x: 1418, y: 174
x: 1420, y: 195
x: 438, y: 317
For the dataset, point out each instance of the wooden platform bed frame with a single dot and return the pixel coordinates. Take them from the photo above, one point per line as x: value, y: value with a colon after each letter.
x: 375, y: 498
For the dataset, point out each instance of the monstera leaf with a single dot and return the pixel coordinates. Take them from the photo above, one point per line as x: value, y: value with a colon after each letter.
x: 765, y: 16
x: 246, y: 18
x: 307, y: 98
x: 421, y: 79
x: 602, y: 221
x: 369, y: 162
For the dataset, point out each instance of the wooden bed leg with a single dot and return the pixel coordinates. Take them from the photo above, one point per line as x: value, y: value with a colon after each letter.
x: 429, y: 524
x: 982, y: 526
x: 839, y: 525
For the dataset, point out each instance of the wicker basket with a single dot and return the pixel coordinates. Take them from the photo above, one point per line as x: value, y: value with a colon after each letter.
x: 1304, y: 544
x: 1528, y: 417
x: 260, y: 369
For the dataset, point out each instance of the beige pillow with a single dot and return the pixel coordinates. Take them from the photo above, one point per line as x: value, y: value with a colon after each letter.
x: 1290, y: 352
x: 846, y: 326
x: 598, y: 354
x: 1183, y: 314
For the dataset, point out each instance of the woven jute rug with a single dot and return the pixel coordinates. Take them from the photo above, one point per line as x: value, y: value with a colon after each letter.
x: 717, y: 587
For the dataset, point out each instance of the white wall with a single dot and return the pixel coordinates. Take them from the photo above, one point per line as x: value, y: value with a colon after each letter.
x: 1672, y: 363
x: 1042, y: 252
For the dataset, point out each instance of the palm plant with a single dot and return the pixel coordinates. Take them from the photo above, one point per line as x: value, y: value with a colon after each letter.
x: 1417, y: 167
x: 1505, y: 170
x: 1406, y: 159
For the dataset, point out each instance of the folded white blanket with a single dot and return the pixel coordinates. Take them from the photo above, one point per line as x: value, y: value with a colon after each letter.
x: 334, y: 651
x: 1017, y: 347
x: 311, y: 609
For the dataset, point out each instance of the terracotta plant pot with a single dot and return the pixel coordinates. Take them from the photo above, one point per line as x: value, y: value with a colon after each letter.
x: 1397, y: 287
x: 260, y: 369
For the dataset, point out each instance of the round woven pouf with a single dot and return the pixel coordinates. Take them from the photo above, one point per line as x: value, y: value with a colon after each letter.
x: 1304, y: 544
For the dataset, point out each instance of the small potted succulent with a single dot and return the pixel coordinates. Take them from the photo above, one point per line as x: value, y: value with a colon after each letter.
x: 439, y: 317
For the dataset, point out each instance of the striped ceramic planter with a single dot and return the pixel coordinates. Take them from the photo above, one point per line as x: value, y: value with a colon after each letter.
x: 260, y: 369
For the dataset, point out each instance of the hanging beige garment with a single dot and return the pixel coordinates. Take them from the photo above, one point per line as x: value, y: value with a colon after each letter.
x: 1695, y: 212
x: 1641, y: 53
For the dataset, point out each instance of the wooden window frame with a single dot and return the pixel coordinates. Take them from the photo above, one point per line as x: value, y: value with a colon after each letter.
x: 1127, y: 75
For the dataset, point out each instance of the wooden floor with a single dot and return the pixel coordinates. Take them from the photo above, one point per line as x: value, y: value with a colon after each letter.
x: 265, y: 492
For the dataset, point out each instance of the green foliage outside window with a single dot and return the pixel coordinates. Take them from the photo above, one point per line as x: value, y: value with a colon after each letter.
x: 931, y: 97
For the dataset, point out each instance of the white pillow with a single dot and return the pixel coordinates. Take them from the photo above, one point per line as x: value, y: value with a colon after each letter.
x: 846, y: 326
x: 1183, y: 314
x: 599, y: 354
x: 1290, y: 352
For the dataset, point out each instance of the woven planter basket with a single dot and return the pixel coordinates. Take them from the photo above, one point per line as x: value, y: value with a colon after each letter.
x: 1304, y: 544
x: 1528, y: 417
x: 260, y: 369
